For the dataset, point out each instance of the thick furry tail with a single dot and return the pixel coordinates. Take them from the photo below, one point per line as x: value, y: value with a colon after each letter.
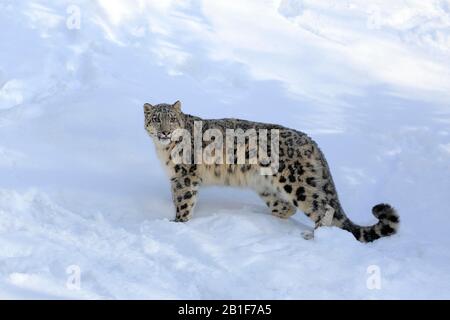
x: 387, y: 225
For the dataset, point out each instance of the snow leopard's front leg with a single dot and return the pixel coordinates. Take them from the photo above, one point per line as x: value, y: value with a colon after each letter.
x: 184, y: 192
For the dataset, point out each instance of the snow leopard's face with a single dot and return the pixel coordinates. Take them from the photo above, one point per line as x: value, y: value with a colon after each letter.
x: 162, y: 120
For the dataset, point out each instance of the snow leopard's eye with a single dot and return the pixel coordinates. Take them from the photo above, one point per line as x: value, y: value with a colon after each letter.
x: 173, y: 118
x: 155, y: 118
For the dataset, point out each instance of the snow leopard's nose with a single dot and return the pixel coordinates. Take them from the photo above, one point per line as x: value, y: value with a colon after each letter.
x: 165, y: 133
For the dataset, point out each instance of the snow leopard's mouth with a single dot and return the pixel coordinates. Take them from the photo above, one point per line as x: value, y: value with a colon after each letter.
x: 164, y: 139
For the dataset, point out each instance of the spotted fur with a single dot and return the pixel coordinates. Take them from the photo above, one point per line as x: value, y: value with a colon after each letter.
x: 303, y: 180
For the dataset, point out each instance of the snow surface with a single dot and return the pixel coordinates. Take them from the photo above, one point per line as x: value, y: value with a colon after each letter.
x: 80, y: 184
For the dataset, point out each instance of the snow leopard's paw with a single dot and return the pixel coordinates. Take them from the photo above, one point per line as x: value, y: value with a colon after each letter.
x: 308, y: 235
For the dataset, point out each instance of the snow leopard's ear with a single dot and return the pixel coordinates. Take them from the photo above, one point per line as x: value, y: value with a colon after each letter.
x: 177, y: 106
x: 147, y: 107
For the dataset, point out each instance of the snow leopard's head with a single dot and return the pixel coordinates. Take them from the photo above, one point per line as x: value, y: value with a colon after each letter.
x: 162, y: 120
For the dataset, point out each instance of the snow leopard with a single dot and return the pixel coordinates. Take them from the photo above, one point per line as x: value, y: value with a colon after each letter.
x: 302, y: 180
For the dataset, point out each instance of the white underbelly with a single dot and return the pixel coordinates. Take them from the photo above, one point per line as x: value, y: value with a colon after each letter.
x: 220, y: 175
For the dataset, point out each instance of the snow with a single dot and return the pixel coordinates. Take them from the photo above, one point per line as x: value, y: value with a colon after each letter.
x: 81, y: 187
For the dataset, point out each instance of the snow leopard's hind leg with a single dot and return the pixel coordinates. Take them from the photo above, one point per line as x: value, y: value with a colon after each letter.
x: 282, y: 208
x: 279, y: 207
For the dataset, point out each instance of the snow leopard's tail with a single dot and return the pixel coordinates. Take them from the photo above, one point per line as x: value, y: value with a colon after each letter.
x: 386, y: 226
